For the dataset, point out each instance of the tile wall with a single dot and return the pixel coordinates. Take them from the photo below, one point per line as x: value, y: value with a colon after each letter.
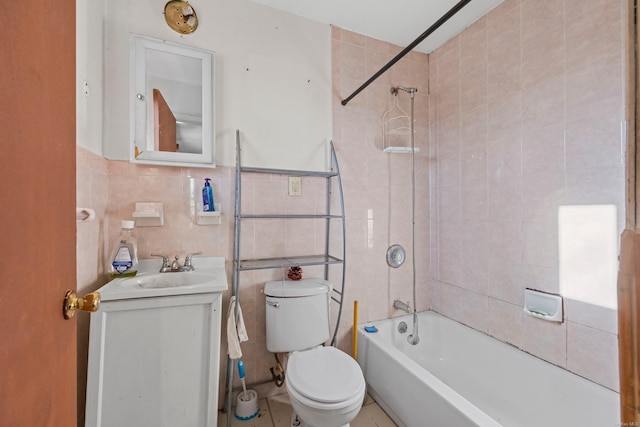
x: 92, y: 186
x: 377, y: 185
x: 526, y: 112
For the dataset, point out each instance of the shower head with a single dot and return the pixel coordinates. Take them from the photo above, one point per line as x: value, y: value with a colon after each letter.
x: 409, y: 90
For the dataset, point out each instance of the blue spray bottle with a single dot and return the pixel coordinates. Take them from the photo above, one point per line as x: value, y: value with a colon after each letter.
x: 207, y: 196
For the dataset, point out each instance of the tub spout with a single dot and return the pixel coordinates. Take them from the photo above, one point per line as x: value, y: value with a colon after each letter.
x: 401, y: 305
x: 414, y: 338
x: 405, y: 306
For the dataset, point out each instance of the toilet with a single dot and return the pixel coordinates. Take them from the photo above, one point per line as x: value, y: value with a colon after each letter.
x: 326, y: 386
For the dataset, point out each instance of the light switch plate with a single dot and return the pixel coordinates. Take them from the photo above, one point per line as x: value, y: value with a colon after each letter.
x: 295, y: 186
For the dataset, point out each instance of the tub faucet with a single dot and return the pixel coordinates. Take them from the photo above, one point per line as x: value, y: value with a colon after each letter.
x: 401, y: 305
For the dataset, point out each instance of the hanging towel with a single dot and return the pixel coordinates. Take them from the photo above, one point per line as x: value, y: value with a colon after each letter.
x: 235, y: 333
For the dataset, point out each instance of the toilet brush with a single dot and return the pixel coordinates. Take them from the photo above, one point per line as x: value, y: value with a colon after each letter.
x: 247, y: 403
x: 241, y: 375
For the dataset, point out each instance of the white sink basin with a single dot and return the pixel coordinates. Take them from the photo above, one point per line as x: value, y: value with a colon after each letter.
x: 209, y: 276
x: 167, y: 280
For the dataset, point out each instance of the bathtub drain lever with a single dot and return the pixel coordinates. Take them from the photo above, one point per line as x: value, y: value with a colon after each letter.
x: 402, y: 327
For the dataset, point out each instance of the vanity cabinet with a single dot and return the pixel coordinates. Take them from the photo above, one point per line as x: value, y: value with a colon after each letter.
x: 154, y: 362
x: 154, y: 354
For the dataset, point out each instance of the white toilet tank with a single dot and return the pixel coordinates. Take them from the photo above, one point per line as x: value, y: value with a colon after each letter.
x: 297, y: 314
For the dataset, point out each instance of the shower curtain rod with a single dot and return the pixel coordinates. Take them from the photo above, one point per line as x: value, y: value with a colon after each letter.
x: 455, y: 9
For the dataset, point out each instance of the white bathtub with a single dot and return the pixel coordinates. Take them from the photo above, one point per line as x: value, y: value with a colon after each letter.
x: 458, y: 377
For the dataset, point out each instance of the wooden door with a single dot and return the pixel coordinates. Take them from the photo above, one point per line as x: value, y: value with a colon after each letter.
x: 37, y: 225
x: 629, y: 327
x: 164, y: 124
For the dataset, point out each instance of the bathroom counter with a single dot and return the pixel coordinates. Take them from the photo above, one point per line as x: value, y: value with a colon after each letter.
x: 209, y: 275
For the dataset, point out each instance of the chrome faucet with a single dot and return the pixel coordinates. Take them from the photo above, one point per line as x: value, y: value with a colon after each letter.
x: 187, y: 262
x: 166, y: 268
x: 401, y: 305
x: 175, y: 265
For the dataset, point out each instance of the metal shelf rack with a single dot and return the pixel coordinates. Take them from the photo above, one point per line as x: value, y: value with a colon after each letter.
x: 326, y: 259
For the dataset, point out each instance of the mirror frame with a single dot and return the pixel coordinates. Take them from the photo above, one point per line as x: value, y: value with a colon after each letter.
x: 138, y: 126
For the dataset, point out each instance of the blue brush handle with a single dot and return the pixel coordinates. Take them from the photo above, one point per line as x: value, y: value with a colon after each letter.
x: 241, y: 368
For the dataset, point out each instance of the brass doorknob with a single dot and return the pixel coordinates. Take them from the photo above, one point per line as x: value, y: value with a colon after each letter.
x: 90, y: 302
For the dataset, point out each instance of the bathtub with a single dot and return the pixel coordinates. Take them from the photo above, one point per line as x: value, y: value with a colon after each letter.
x: 458, y: 377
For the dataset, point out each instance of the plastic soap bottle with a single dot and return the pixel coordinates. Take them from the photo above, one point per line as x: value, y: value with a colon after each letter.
x: 123, y: 261
x: 207, y: 196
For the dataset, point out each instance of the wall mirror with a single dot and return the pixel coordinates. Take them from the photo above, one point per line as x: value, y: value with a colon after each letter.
x: 172, y: 98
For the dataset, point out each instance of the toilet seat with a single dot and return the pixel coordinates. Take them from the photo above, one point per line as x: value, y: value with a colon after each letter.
x: 325, y: 375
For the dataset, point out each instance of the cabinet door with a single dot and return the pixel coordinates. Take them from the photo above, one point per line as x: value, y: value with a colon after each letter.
x: 154, y: 362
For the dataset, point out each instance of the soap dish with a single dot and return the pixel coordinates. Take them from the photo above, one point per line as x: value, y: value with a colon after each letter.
x: 149, y: 214
x: 208, y: 218
x: 543, y: 305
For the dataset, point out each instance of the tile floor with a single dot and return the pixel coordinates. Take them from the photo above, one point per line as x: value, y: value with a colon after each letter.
x: 276, y: 412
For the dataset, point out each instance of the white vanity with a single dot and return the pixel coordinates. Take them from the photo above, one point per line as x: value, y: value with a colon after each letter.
x: 154, y: 348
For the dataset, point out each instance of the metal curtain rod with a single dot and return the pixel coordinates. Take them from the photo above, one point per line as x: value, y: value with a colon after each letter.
x: 455, y: 9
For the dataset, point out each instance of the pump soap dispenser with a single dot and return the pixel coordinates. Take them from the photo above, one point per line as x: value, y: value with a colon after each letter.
x: 207, y: 196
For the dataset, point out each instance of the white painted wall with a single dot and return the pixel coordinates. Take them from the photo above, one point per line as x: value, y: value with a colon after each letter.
x: 89, y: 74
x: 273, y: 78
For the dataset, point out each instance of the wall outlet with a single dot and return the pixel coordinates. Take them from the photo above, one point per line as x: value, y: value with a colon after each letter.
x: 295, y: 186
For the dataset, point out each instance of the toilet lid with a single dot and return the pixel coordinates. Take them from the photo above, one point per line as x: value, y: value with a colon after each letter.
x: 324, y: 374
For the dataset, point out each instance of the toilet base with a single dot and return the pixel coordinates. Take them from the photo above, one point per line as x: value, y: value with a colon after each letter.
x: 296, y: 421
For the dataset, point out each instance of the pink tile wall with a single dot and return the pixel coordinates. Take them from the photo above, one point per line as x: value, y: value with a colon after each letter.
x: 91, y: 188
x: 526, y: 113
x: 130, y: 183
x: 377, y: 185
x: 92, y: 182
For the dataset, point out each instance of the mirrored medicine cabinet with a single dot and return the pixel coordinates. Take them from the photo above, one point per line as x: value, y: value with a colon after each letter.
x: 172, y: 99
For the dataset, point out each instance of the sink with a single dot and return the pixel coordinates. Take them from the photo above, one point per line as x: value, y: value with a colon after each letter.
x: 167, y: 280
x: 209, y: 276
